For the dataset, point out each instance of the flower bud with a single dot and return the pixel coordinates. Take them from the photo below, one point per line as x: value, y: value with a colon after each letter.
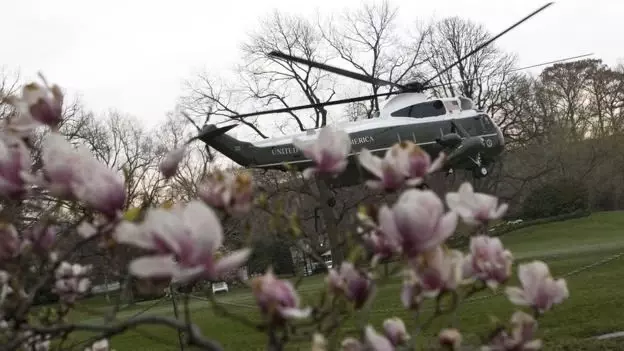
x: 170, y: 163
x: 42, y: 103
x: 395, y: 331
x: 450, y: 338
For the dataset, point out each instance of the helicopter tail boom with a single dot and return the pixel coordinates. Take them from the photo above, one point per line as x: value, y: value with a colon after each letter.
x: 232, y: 148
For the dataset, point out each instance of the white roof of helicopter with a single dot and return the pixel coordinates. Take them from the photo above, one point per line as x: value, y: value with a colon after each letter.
x: 452, y: 106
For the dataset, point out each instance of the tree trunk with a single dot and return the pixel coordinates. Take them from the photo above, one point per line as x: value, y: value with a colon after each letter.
x: 331, y: 223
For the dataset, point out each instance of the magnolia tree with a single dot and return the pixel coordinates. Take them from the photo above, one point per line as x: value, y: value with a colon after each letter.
x: 182, y: 245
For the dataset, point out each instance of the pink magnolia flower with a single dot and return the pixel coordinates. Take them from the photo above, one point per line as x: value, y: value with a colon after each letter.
x: 416, y: 163
x: 40, y: 237
x: 73, y: 173
x: 488, y: 261
x: 100, y: 345
x: 388, y: 169
x: 72, y: 281
x: 417, y: 221
x: 522, y: 335
x: 319, y: 343
x: 9, y: 242
x: 329, y: 152
x: 61, y: 163
x: 376, y: 240
x: 351, y: 344
x: 277, y: 298
x: 227, y: 191
x: 539, y: 290
x: 450, y: 338
x: 185, y: 241
x: 395, y: 331
x: 439, y: 270
x: 14, y: 161
x: 101, y: 188
x: 169, y: 165
x: 475, y: 208
x: 355, y: 285
x: 42, y: 103
x: 411, y: 293
x: 376, y: 341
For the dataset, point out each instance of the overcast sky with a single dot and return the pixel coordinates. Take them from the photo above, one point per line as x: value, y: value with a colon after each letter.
x: 132, y: 55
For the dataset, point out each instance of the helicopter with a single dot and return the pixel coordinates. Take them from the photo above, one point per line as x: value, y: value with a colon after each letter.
x: 468, y: 136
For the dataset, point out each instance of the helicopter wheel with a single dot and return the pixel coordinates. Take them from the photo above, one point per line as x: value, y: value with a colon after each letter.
x: 331, y: 202
x: 480, y: 172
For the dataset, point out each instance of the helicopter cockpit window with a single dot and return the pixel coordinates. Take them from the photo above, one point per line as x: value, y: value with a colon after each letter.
x: 421, y: 110
x: 466, y: 104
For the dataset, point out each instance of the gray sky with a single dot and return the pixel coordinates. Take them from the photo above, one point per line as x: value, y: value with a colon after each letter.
x: 132, y: 55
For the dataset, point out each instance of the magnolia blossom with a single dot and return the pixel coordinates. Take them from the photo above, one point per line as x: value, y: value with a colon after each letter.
x: 382, y: 245
x: 73, y: 173
x: 169, y: 165
x: 9, y: 241
x: 328, y: 152
x: 417, y: 221
x: 185, y: 241
x: 40, y: 237
x: 395, y: 331
x: 416, y: 162
x: 14, y: 161
x: 475, y: 208
x: 351, y: 344
x: 277, y: 299
x: 5, y: 287
x: 100, y: 345
x: 319, y: 343
x: 411, y: 293
x: 450, y: 338
x: 376, y: 341
x: 41, y: 103
x: 227, y: 191
x: 355, y: 285
x: 488, y: 261
x: 522, y: 335
x: 72, y: 281
x: 539, y: 290
x: 388, y: 170
x: 439, y: 270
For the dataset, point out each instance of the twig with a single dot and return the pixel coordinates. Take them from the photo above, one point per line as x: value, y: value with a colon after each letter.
x: 195, y: 337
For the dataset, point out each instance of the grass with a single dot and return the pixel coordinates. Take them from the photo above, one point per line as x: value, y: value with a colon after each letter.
x: 594, y: 307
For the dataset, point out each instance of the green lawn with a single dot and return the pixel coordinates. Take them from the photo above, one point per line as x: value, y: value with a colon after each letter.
x: 594, y: 307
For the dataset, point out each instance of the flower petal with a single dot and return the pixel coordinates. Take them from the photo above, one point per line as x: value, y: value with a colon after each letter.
x: 295, y: 313
x: 437, y: 163
x: 232, y: 261
x: 517, y: 296
x: 153, y: 266
x: 204, y: 225
x: 377, y: 341
x: 370, y: 162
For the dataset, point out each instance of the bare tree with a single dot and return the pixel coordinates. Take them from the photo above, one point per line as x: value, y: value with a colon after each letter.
x: 481, y: 76
x: 264, y: 81
x: 367, y: 38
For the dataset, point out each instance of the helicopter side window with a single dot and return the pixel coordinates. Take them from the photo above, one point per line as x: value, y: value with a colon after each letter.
x: 466, y: 104
x: 421, y: 110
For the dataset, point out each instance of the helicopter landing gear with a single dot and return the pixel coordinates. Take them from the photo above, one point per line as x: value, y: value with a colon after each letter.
x: 480, y: 172
x: 331, y: 202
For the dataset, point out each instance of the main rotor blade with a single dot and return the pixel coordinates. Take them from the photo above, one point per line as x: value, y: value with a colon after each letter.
x: 511, y: 70
x: 320, y: 104
x: 488, y: 42
x: 340, y: 71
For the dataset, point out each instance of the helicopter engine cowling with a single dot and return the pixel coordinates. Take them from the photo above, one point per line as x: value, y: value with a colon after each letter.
x: 449, y: 140
x: 466, y: 148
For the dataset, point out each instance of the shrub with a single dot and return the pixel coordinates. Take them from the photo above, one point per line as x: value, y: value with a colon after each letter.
x: 556, y: 198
